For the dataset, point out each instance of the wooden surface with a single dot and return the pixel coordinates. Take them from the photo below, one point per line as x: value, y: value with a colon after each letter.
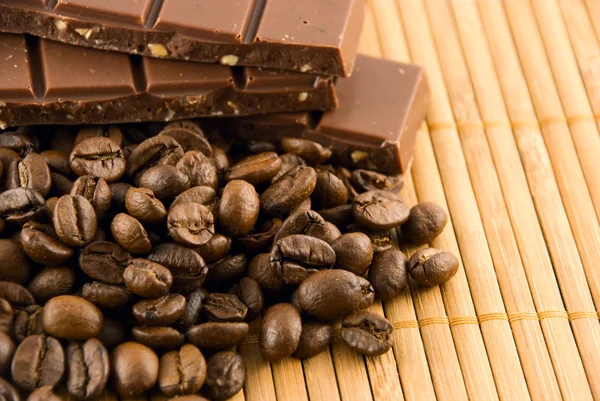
x: 511, y: 149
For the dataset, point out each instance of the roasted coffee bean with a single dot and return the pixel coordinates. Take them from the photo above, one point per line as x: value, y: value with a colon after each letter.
x: 7, y: 156
x: 158, y: 337
x: 166, y: 182
x: 256, y: 169
x: 379, y: 210
x: 381, y: 240
x: 367, y: 333
x: 182, y: 371
x: 388, y: 274
x: 261, y: 240
x: 280, y: 332
x: 199, y: 168
x: 104, y: 261
x: 331, y: 294
x: 217, y: 336
x: 71, y: 318
x: 88, y: 369
x: 304, y: 206
x: 239, y: 208
x: 134, y: 369
x: 345, y: 176
x: 329, y: 191
x: 6, y: 316
x: 57, y: 161
x: 431, y: 266
x: 221, y: 161
x: 38, y: 361
x: 14, y: 263
x: 15, y: 294
x: 191, y: 224
x: 111, y: 132
x: 8, y: 392
x: 266, y: 274
x: 75, y: 220
x: 130, y: 234
x: 147, y: 279
x: 51, y: 282
x: 215, y: 249
x: 193, y: 309
x: 30, y: 172
x: 297, y: 256
x: 163, y: 311
x: 189, y: 138
x: 353, y: 252
x: 228, y: 268
x: 426, y: 221
x: 144, y: 206
x: 248, y: 290
x: 328, y: 232
x: 288, y: 162
x: 285, y: 194
x: 310, y: 151
x: 206, y: 196
x: 224, y: 308
x: 95, y: 190
x: 19, y: 141
x: 303, y: 222
x: 20, y: 205
x: 50, y: 205
x: 187, y: 267
x: 365, y: 180
x: 113, y: 333
x: 315, y: 338
x: 225, y: 374
x: 118, y: 193
x: 152, y: 152
x: 28, y: 321
x: 43, y: 246
x: 100, y: 157
x: 61, y: 185
x: 45, y: 393
x: 7, y: 350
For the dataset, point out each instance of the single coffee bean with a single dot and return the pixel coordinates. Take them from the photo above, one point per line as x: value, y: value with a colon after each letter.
x: 191, y: 224
x: 163, y: 311
x: 104, y: 261
x: 432, y: 267
x: 285, y: 194
x: 15, y: 294
x: 41, y: 243
x: 381, y: 240
x: 147, y: 279
x: 217, y: 336
x: 365, y: 180
x: 328, y: 232
x: 51, y: 205
x: 331, y: 294
x: 426, y: 221
x: 105, y: 295
x: 304, y: 206
x: 206, y: 196
x: 118, y: 194
x: 312, y: 152
x: 193, y: 309
x: 215, y: 249
x: 30, y: 172
x: 8, y: 392
x: 224, y: 308
x: 199, y: 168
x: 166, y: 182
x: 189, y: 138
x: 256, y: 147
x: 45, y: 393
x: 239, y: 208
x: 88, y: 369
x: 134, y: 369
x: 256, y: 169
x: 130, y: 234
x: 329, y: 191
x: 51, y: 282
x: 315, y: 338
x: 75, y: 220
x: 262, y: 270
x: 95, y: 190
x: 71, y: 318
x: 154, y: 151
x: 367, y: 333
x: 288, y: 162
x: 388, y: 274
x: 38, y: 361
x: 341, y: 216
x: 187, y: 267
x: 7, y: 350
x: 379, y: 210
x: 144, y: 206
x: 7, y: 156
x: 228, y: 268
x: 113, y: 333
x: 345, y: 176
x: 221, y: 161
x: 303, y: 222
x: 6, y: 316
x: 297, y: 256
x: 20, y: 205
x: 225, y: 375
x: 353, y: 252
x: 57, y: 161
x: 280, y: 332
x: 182, y: 371
x: 158, y: 337
x: 61, y: 185
x: 262, y: 239
x: 13, y: 255
x: 248, y: 290
x: 100, y: 157
x: 111, y: 132
x: 28, y: 321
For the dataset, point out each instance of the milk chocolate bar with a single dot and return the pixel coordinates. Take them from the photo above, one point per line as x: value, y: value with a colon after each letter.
x: 380, y: 110
x: 47, y: 82
x: 315, y: 36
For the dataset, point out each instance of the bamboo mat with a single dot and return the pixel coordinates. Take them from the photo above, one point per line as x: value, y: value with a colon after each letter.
x: 512, y: 150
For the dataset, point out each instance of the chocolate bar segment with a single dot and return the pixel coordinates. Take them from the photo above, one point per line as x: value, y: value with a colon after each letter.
x: 46, y: 82
x: 310, y: 36
x: 381, y: 108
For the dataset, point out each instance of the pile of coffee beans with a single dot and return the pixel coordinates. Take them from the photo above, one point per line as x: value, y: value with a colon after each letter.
x: 132, y: 263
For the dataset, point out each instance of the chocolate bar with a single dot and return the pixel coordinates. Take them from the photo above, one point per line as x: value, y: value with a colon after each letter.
x: 47, y: 82
x: 380, y: 110
x: 315, y: 36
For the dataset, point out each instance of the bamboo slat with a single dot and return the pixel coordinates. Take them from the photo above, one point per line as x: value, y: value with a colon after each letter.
x: 593, y: 7
x: 259, y: 377
x: 320, y: 377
